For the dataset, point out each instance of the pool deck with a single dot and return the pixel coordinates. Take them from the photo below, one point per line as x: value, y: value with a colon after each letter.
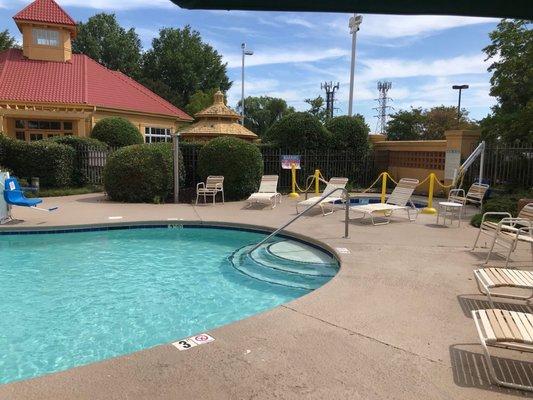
x: 394, y: 323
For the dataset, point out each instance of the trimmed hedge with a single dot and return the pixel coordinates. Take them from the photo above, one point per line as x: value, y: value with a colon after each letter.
x: 52, y: 163
x: 141, y: 173
x: 349, y: 132
x: 297, y: 131
x: 238, y: 161
x: 79, y: 144
x: 116, y: 132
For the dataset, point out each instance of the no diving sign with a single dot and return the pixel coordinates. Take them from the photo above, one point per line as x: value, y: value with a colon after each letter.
x: 193, y: 341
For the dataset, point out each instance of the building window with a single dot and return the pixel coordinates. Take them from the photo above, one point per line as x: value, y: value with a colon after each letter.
x: 37, y: 130
x: 156, y: 135
x: 46, y: 37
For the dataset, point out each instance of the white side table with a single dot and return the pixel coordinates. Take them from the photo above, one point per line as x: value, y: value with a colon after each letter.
x: 449, y: 209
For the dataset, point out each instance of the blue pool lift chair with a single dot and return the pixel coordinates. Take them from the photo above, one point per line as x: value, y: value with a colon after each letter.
x: 14, y: 196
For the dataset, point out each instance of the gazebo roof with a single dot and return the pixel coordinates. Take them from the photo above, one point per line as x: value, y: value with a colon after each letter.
x: 218, y: 110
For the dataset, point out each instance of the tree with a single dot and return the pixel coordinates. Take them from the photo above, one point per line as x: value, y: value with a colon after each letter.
x: 262, y: 112
x: 511, y: 82
x: 298, y: 130
x: 6, y: 40
x: 105, y: 41
x: 200, y: 100
x: 349, y: 132
x: 406, y: 125
x: 182, y: 61
x: 317, y: 108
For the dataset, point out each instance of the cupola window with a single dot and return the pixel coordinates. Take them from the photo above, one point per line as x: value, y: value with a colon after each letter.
x: 46, y: 37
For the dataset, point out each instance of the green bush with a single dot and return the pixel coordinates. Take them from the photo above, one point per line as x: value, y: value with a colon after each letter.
x: 79, y: 144
x: 238, y: 161
x: 116, y: 132
x: 52, y: 163
x: 502, y: 203
x: 141, y: 173
x: 349, y: 132
x: 297, y: 131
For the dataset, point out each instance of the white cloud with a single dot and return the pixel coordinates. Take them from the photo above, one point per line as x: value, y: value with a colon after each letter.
x: 284, y: 56
x: 398, y: 26
x: 118, y: 5
x: 292, y: 20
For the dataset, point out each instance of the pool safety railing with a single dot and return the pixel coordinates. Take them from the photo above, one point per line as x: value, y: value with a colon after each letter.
x: 319, y: 200
x: 315, y: 179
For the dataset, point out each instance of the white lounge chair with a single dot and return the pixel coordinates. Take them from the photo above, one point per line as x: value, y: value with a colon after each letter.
x: 490, y: 278
x: 509, y: 232
x: 212, y: 186
x: 399, y: 199
x: 267, y: 193
x: 501, y: 328
x: 333, y: 184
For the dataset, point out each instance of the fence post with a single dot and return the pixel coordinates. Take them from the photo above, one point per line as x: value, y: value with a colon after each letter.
x: 383, y: 186
x: 429, y: 209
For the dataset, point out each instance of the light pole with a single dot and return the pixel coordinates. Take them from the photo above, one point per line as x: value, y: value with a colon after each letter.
x: 460, y: 88
x: 354, y: 24
x: 244, y: 54
x: 176, y: 167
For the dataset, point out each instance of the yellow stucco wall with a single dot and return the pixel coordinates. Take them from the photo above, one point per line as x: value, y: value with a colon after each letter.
x: 47, y: 53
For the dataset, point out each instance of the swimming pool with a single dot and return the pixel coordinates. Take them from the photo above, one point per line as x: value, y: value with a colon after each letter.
x: 69, y: 299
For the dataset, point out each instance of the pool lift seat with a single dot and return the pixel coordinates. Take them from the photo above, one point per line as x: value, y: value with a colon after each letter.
x: 14, y: 196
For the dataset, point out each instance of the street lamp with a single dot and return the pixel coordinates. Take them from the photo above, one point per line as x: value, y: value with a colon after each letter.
x: 244, y: 54
x: 460, y: 88
x: 354, y: 24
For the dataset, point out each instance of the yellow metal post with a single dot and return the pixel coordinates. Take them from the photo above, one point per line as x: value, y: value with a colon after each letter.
x: 293, y: 193
x: 383, y: 186
x: 317, y: 181
x: 429, y: 209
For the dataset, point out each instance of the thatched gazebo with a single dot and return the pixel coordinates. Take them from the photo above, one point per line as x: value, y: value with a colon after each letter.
x: 217, y: 120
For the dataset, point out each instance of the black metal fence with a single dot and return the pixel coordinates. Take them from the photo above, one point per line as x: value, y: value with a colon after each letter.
x: 504, y: 164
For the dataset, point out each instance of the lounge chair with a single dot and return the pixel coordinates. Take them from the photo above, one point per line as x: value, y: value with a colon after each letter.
x: 509, y: 231
x: 501, y: 328
x: 267, y: 193
x: 489, y: 279
x: 475, y: 194
x: 212, y: 186
x: 333, y: 184
x: 399, y: 199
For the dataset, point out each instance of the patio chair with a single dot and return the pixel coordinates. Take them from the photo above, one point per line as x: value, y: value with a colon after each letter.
x: 509, y: 232
x: 399, y: 199
x: 212, y: 186
x: 508, y: 329
x: 267, y: 193
x: 475, y: 194
x: 333, y: 184
x: 490, y: 278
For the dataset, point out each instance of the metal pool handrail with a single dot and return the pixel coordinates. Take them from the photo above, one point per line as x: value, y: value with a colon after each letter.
x: 347, y: 214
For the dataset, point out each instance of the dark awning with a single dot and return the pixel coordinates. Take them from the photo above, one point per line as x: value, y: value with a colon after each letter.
x: 522, y: 9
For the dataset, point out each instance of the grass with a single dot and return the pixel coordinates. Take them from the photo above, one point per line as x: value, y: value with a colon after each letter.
x: 65, y: 191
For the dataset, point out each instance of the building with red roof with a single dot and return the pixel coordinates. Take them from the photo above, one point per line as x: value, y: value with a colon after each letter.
x: 47, y: 91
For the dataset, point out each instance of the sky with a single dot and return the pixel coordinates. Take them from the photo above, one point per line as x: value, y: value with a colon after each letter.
x: 423, y: 56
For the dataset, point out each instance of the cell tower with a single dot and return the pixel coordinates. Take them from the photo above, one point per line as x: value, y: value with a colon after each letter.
x: 330, y: 89
x: 383, y: 108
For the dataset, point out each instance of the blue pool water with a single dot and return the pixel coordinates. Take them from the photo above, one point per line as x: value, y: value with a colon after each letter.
x: 74, y: 298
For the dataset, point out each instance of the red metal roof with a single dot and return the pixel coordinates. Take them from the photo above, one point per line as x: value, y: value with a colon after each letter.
x: 45, y: 11
x: 79, y: 81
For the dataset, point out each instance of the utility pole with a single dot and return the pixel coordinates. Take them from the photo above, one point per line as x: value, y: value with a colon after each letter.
x: 354, y: 24
x: 330, y: 89
x: 244, y: 54
x: 460, y: 88
x: 383, y: 108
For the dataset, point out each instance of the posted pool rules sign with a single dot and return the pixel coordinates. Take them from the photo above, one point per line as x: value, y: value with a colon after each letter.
x: 193, y: 341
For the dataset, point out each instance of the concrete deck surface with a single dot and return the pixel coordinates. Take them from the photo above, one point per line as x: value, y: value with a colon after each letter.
x: 393, y: 324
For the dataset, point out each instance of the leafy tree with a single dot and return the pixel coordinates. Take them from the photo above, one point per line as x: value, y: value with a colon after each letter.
x: 349, y: 132
x: 6, y: 40
x: 182, y: 61
x: 406, y: 125
x: 262, y: 112
x: 317, y: 108
x: 105, y: 41
x: 298, y: 130
x: 200, y: 100
x: 512, y: 81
